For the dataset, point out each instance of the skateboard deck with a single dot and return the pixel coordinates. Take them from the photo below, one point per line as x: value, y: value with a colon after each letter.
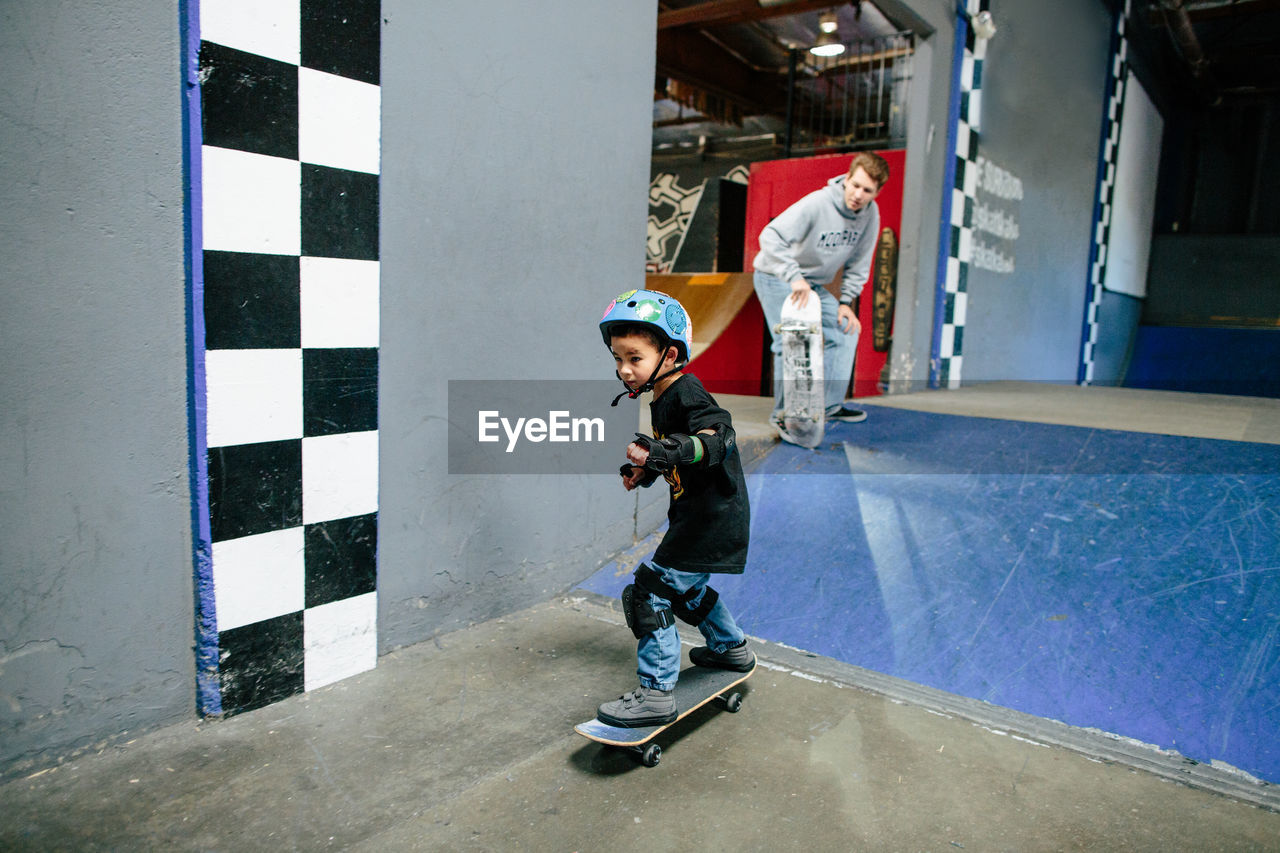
x: 696, y: 686
x: 802, y: 389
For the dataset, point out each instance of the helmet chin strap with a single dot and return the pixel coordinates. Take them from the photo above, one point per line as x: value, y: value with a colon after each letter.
x: 654, y: 378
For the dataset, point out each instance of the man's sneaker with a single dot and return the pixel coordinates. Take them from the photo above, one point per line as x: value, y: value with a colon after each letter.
x: 739, y: 658
x: 782, y: 431
x: 846, y: 415
x: 644, y: 706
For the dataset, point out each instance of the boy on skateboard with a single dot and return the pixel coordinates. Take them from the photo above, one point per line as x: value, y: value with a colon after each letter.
x: 694, y: 450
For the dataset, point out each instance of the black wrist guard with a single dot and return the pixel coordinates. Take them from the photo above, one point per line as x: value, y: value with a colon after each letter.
x: 703, y: 450
x: 667, y: 453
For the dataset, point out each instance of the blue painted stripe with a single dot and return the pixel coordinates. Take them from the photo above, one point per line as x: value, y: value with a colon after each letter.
x: 948, y: 183
x: 208, y: 691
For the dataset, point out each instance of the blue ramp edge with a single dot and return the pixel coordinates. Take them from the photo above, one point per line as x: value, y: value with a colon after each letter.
x: 1206, y: 360
x: 1112, y: 580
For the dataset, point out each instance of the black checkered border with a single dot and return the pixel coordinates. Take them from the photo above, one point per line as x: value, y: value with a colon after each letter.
x: 1113, y: 120
x: 286, y: 313
x: 964, y: 191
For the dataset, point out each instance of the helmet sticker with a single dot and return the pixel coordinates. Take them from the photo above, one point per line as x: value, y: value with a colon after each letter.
x: 648, y: 311
x: 611, y: 306
x: 623, y: 297
x: 675, y: 318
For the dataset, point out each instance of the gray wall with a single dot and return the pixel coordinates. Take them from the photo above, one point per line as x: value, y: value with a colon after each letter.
x: 514, y: 198
x: 1118, y: 331
x: 95, y: 545
x: 1042, y: 91
x: 922, y: 179
x: 1043, y: 88
x: 513, y: 209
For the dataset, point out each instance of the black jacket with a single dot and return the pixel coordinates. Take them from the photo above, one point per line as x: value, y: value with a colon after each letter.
x: 710, y: 519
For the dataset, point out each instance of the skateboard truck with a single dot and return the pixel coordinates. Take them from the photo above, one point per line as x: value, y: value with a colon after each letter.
x: 649, y: 754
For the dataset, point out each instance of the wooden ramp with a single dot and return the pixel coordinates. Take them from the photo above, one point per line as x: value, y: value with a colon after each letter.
x: 711, y: 299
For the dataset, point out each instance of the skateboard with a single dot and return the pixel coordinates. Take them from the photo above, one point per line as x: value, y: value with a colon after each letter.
x: 802, y: 389
x: 696, y: 686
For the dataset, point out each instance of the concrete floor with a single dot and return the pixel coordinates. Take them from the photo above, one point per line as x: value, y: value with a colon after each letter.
x: 466, y: 743
x: 1217, y: 416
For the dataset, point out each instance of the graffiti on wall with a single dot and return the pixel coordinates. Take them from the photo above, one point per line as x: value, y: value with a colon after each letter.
x: 672, y: 205
x: 995, y: 217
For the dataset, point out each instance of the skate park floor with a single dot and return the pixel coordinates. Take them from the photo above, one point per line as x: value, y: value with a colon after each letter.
x: 1107, y: 558
x: 465, y: 742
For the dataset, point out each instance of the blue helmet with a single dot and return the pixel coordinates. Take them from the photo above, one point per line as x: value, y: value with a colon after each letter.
x: 650, y: 308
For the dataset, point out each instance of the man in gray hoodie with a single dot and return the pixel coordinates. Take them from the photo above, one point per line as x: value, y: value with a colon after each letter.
x: 831, y: 230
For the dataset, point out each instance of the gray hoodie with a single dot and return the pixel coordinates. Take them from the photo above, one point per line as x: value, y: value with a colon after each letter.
x: 817, y: 237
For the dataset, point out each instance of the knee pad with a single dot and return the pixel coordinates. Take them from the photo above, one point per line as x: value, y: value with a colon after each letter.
x: 650, y: 581
x: 642, y: 618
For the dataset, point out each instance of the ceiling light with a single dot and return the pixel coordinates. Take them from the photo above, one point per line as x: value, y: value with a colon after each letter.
x: 827, y: 45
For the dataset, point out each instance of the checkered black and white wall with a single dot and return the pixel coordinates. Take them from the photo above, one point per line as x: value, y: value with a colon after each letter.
x: 964, y: 191
x: 285, y: 318
x: 1112, y: 122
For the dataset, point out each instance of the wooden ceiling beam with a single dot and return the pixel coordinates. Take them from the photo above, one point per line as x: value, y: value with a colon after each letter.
x: 1229, y: 8
x: 719, y: 12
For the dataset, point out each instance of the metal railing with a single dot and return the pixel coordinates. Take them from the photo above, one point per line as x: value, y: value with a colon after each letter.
x: 855, y: 100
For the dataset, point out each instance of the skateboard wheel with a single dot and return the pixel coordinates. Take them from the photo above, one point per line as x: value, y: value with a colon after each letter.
x: 733, y: 703
x: 651, y: 756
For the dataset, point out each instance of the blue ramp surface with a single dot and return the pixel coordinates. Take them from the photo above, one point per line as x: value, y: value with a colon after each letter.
x: 1115, y: 580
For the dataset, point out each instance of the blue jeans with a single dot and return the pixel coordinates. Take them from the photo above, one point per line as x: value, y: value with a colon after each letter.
x: 658, y: 653
x: 838, y: 349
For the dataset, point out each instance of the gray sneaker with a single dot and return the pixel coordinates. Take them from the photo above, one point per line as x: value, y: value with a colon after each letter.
x: 739, y: 658
x: 644, y: 706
